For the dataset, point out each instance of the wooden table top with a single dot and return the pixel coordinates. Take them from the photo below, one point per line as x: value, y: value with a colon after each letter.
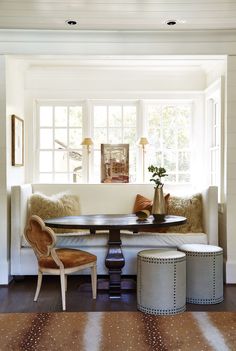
x: 105, y: 221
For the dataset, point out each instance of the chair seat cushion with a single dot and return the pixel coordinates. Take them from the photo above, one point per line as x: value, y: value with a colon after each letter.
x: 70, y: 258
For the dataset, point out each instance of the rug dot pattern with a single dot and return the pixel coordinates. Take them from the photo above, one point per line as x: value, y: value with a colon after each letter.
x: 124, y: 331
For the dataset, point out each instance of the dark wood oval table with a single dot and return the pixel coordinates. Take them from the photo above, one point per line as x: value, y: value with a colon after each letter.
x: 114, y: 224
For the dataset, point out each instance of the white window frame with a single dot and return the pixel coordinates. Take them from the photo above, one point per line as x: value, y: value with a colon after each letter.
x: 166, y: 102
x: 107, y: 103
x: 213, y: 98
x: 54, y: 104
x: 196, y: 100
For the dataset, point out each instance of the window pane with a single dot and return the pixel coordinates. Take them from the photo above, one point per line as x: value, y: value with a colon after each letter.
x: 100, y: 136
x: 184, y: 161
x: 60, y: 138
x: 129, y: 116
x: 61, y: 178
x: 183, y: 138
x: 154, y: 116
x: 46, y: 138
x: 75, y: 165
x: 115, y: 136
x: 169, y: 116
x: 169, y: 137
x: 132, y: 165
x: 154, y: 137
x: 75, y: 136
x: 46, y: 178
x: 169, y: 161
x: 129, y: 135
x: 115, y: 116
x: 97, y: 167
x: 169, y: 140
x: 45, y: 161
x: 60, y: 116
x: 45, y: 113
x: 184, y: 178
x: 100, y: 116
x: 60, y: 161
x: 75, y: 116
x: 171, y: 178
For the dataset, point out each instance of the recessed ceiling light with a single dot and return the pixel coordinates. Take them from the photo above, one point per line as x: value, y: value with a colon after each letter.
x: 71, y: 22
x: 171, y: 22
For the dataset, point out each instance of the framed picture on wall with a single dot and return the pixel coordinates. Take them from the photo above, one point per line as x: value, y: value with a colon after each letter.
x: 17, y: 130
x: 114, y: 163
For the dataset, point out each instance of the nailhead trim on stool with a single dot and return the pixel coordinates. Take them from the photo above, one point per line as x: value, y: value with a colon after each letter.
x: 161, y: 282
x: 204, y: 273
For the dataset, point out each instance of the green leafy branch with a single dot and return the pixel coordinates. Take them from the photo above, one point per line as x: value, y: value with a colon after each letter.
x: 157, y: 174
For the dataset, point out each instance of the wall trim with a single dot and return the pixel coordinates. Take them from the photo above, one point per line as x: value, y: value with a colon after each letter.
x: 117, y: 42
x: 230, y: 271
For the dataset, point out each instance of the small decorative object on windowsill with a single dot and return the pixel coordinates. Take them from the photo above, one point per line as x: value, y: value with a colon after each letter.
x: 159, y: 206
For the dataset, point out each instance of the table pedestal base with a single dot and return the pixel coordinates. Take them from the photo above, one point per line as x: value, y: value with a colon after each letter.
x: 115, y: 261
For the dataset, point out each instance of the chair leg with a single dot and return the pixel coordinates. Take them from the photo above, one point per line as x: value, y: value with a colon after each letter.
x: 39, y: 283
x: 94, y: 281
x: 66, y: 282
x: 63, y: 290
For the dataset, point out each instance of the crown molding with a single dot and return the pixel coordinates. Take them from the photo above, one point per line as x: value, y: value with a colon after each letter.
x: 46, y: 42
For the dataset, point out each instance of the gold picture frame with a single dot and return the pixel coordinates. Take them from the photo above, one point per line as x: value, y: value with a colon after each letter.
x: 115, y: 163
x: 17, y: 129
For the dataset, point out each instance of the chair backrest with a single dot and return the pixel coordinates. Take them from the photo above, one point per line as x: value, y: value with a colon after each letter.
x: 41, y: 238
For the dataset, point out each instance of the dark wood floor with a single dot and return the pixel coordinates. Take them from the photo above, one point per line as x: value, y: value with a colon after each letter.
x: 18, y: 297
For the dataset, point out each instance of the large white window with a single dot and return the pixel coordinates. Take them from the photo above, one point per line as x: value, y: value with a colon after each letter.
x: 169, y: 134
x: 62, y: 127
x: 60, y: 136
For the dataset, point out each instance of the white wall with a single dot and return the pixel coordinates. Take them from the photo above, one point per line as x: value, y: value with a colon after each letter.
x: 11, y: 102
x: 4, y: 211
x: 230, y: 188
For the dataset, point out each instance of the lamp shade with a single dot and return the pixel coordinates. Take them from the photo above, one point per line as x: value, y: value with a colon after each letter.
x: 87, y: 142
x: 143, y: 141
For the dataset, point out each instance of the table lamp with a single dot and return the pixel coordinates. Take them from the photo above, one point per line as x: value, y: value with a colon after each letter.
x: 88, y: 142
x: 143, y: 142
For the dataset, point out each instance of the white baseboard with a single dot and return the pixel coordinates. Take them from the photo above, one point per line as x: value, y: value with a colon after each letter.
x: 230, y: 272
x: 5, y: 277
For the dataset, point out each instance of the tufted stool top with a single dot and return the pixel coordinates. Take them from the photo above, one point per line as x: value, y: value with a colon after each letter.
x: 201, y: 248
x: 161, y: 254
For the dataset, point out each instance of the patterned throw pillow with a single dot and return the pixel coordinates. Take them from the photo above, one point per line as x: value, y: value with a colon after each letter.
x: 58, y: 205
x: 189, y: 207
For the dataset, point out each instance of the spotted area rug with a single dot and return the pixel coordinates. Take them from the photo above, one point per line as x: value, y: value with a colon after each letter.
x: 123, y: 331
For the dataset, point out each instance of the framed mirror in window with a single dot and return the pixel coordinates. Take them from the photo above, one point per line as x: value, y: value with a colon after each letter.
x: 17, y: 129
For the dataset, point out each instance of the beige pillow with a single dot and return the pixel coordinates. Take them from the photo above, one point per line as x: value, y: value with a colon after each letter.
x: 58, y: 205
x: 189, y: 207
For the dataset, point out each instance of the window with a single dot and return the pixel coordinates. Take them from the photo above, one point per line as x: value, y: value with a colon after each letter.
x: 60, y: 137
x: 62, y: 127
x: 115, y: 124
x: 169, y: 134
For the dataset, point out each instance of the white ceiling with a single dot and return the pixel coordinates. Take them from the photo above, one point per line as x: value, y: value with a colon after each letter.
x: 118, y: 14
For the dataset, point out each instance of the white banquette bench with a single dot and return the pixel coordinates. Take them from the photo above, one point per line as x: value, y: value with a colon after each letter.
x: 103, y: 199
